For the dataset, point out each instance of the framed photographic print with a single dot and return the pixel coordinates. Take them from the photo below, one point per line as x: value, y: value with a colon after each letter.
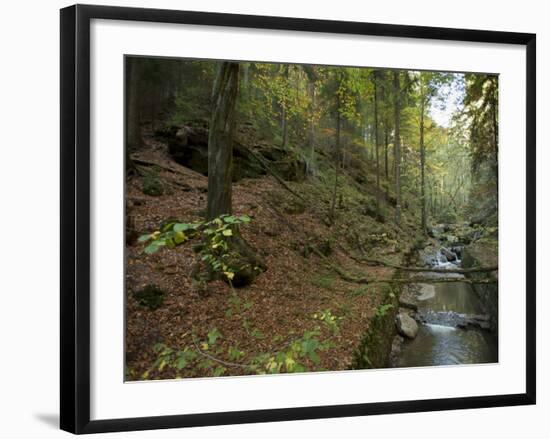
x: 267, y: 218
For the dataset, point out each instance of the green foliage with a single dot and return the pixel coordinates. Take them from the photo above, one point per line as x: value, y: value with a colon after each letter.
x: 236, y: 305
x: 330, y: 320
x: 298, y: 355
x: 171, y: 358
x: 213, y: 335
x: 215, y: 234
x: 234, y: 353
x: 292, y: 358
x: 382, y: 310
x: 150, y: 297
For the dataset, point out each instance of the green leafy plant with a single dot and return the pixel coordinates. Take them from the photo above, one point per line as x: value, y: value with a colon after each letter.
x: 213, y: 335
x: 215, y: 249
x: 207, y: 354
x: 291, y: 358
x: 382, y: 310
x: 330, y: 320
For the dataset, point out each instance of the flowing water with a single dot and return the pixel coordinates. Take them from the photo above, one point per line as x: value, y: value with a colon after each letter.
x: 440, y: 341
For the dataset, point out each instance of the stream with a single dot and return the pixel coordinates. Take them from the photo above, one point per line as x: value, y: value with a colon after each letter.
x: 452, y: 324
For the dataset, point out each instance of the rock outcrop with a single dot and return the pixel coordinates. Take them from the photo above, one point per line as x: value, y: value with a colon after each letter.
x: 406, y: 325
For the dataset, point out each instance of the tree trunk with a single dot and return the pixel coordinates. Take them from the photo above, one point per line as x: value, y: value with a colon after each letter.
x: 246, y: 80
x: 337, y: 167
x: 220, y: 139
x: 397, y: 145
x: 386, y: 150
x: 133, y: 129
x: 243, y: 260
x: 284, y: 115
x: 377, y: 142
x: 495, y: 128
x: 313, y: 96
x: 422, y: 163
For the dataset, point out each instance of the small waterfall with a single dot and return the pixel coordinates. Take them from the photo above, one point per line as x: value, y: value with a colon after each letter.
x: 453, y: 328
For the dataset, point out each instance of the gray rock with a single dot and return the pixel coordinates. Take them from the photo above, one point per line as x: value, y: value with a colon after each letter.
x: 406, y: 325
x: 457, y: 250
x: 396, y: 348
x: 448, y: 254
x: 427, y: 291
x: 407, y: 299
x: 408, y: 302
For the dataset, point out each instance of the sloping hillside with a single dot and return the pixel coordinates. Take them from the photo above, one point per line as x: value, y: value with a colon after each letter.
x: 307, y: 289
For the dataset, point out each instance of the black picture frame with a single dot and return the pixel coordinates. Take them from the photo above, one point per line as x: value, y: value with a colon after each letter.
x: 75, y: 217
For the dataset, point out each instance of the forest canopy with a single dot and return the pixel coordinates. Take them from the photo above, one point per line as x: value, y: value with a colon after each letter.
x: 447, y: 146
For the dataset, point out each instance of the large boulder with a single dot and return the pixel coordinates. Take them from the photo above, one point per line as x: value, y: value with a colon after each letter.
x: 188, y: 146
x: 457, y: 250
x: 425, y: 291
x: 406, y: 325
x: 290, y: 169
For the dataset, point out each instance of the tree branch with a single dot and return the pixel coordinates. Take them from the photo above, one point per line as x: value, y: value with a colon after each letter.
x: 345, y: 276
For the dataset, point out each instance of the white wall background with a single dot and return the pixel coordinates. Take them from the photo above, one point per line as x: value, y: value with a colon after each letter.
x: 29, y: 186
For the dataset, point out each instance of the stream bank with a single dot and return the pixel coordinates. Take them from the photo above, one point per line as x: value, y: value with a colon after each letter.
x: 432, y: 323
x: 377, y: 343
x: 456, y: 320
x: 484, y: 253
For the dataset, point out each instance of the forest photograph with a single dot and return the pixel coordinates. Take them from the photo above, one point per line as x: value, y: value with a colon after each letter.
x: 296, y: 218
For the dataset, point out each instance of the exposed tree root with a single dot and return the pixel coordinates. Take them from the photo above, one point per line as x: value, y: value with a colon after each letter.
x: 416, y: 280
x: 345, y: 276
x: 420, y: 269
x: 143, y: 162
x: 270, y: 171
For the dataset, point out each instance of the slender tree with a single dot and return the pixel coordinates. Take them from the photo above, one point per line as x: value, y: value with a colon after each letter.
x: 377, y: 139
x: 284, y: 110
x: 397, y: 144
x: 338, y: 155
x: 133, y: 129
x: 220, y: 139
x: 423, y: 101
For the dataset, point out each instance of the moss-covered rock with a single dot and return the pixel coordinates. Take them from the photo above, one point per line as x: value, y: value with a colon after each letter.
x: 151, y: 297
x: 376, y: 346
x: 151, y: 185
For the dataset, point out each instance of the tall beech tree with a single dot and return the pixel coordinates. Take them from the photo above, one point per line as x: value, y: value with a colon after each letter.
x: 242, y: 258
x: 397, y: 143
x: 221, y: 138
x: 377, y: 138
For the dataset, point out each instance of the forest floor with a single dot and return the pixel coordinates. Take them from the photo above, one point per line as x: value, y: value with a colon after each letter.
x: 224, y: 328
